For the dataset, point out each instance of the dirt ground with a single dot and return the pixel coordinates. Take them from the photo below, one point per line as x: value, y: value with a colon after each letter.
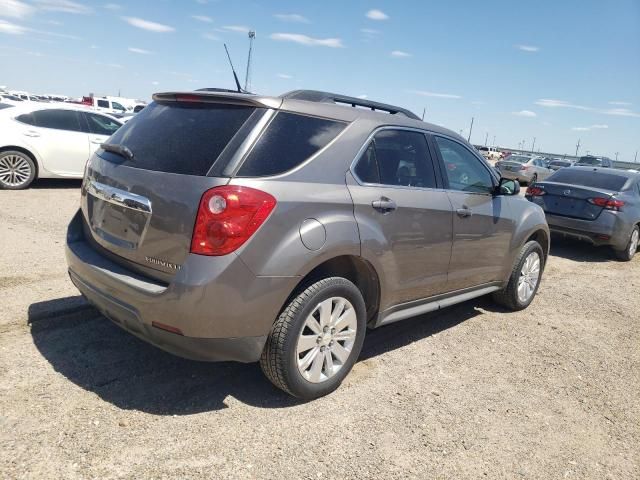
x: 469, y: 392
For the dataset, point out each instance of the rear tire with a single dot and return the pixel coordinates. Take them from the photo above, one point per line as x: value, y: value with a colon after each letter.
x: 316, y: 340
x: 534, y: 179
x: 629, y: 252
x: 524, y: 279
x: 17, y: 170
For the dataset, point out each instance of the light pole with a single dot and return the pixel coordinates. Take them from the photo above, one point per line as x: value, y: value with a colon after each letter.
x: 494, y: 140
x: 533, y: 144
x: 617, y: 156
x: 635, y: 159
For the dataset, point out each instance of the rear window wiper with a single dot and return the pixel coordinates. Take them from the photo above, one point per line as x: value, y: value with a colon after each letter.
x: 118, y: 150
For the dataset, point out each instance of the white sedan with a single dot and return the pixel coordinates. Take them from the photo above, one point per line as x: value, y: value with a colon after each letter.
x: 40, y: 140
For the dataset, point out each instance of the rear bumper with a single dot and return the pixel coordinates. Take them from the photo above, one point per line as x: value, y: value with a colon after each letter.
x: 519, y: 175
x: 607, y: 229
x: 223, y: 310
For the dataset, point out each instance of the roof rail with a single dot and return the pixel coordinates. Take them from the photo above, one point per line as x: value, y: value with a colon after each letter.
x: 327, y: 97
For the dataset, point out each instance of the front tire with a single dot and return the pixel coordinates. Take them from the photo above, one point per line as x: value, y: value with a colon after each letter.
x: 316, y: 340
x: 629, y: 252
x: 17, y: 170
x: 524, y: 280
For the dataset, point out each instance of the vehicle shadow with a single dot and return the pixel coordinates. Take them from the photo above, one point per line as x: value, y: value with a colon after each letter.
x: 56, y: 183
x: 579, y: 251
x: 98, y: 356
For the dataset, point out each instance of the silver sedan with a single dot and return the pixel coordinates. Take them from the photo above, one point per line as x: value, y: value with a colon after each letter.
x: 523, y: 168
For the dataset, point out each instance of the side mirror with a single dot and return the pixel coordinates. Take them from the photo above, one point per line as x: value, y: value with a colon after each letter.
x: 508, y: 187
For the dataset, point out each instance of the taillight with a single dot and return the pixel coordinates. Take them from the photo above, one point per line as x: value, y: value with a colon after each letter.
x: 535, y: 192
x: 227, y: 217
x: 607, y: 203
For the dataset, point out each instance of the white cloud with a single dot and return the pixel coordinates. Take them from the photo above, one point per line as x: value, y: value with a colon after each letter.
x: 363, y: 97
x: 291, y: 17
x: 525, y: 113
x: 202, y: 18
x: 284, y: 75
x: 236, y: 28
x: 65, y: 6
x: 210, y: 36
x: 434, y: 94
x: 15, y: 9
x: 591, y: 127
x: 12, y: 28
x: 155, y: 83
x: 308, y: 41
x: 527, y: 48
x: 623, y: 104
x: 376, y: 14
x: 112, y: 6
x: 622, y: 112
x: 148, y: 25
x: 400, y: 53
x: 546, y: 102
x: 141, y: 51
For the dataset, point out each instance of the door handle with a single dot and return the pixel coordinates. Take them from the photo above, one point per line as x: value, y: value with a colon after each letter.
x: 31, y: 133
x: 464, y: 212
x: 384, y: 205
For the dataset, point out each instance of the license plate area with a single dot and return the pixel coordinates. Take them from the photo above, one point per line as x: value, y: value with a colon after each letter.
x: 116, y: 216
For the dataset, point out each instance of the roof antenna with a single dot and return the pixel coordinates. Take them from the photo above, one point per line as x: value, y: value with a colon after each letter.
x: 235, y: 77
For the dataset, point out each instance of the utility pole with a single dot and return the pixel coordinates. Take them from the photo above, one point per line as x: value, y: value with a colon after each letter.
x: 635, y: 159
x: 247, y: 78
x: 533, y: 144
x: 523, y: 144
x: 577, y: 147
x: 470, y: 130
x: 494, y: 140
x: 486, y: 139
x: 617, y: 156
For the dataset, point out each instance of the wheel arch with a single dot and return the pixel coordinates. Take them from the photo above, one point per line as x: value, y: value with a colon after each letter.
x: 352, y: 267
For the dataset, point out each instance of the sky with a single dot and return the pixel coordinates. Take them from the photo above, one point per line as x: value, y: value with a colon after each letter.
x: 558, y: 71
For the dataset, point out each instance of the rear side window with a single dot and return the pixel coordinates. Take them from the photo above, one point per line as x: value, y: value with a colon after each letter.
x: 68, y: 120
x: 101, y: 125
x: 289, y: 140
x: 183, y: 138
x: 588, y: 178
x: 103, y: 104
x: 26, y: 118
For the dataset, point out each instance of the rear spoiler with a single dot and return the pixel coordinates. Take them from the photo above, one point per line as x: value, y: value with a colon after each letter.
x: 226, y: 98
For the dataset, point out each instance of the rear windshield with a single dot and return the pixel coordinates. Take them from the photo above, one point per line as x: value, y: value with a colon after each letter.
x: 588, y: 178
x: 179, y: 138
x: 289, y: 140
x: 517, y: 158
x: 590, y: 161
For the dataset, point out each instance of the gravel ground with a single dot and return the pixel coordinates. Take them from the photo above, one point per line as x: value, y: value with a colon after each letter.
x: 469, y: 392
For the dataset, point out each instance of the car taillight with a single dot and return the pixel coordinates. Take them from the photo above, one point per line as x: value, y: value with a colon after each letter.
x: 227, y: 217
x: 607, y: 203
x: 535, y: 192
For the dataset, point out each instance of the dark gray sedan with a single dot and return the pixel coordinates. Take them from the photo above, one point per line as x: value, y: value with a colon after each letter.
x: 599, y: 205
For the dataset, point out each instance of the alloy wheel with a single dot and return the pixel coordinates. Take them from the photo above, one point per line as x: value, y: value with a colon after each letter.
x: 326, y: 339
x: 529, y: 277
x: 15, y: 170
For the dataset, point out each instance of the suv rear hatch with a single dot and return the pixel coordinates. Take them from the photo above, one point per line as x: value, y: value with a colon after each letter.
x: 141, y: 192
x: 577, y: 193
